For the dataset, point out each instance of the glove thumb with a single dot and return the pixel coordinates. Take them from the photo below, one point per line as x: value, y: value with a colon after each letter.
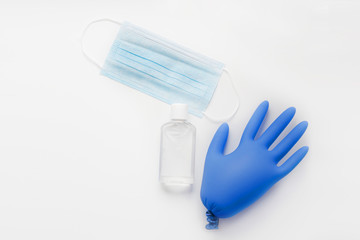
x: 218, y: 142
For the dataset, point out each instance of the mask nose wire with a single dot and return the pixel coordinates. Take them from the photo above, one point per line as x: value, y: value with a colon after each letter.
x: 230, y: 116
x: 87, y: 56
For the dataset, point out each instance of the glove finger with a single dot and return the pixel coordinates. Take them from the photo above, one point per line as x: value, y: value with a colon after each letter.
x: 289, y: 141
x: 218, y: 142
x: 255, y: 122
x: 293, y: 161
x: 276, y: 128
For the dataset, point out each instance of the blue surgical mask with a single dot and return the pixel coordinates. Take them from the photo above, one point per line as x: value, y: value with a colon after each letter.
x: 162, y: 69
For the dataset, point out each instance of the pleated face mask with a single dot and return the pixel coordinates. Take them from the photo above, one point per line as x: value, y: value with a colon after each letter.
x: 162, y: 69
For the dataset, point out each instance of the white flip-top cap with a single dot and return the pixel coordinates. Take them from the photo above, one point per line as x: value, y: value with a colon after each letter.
x: 179, y: 111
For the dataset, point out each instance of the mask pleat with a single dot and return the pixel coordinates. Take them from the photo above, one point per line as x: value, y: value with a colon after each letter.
x: 162, y: 69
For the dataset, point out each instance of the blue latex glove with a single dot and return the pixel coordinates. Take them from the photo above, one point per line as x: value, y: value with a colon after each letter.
x: 232, y: 182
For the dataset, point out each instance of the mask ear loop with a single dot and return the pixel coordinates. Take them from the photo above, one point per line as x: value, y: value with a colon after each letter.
x: 236, y: 107
x: 90, y: 59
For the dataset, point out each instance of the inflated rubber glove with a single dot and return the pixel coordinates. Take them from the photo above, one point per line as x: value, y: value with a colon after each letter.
x: 232, y: 182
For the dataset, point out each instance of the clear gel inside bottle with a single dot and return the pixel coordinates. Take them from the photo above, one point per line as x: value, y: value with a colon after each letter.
x: 177, y: 151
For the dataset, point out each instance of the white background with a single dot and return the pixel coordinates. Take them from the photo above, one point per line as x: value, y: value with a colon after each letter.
x: 79, y: 152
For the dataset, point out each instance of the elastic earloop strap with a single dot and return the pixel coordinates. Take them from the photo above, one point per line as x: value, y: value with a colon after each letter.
x: 92, y: 60
x: 215, y: 120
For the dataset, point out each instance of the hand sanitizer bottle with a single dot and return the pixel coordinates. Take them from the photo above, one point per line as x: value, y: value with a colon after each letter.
x: 177, y: 153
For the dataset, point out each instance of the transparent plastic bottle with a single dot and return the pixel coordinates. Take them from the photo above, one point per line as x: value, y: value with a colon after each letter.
x: 177, y: 153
